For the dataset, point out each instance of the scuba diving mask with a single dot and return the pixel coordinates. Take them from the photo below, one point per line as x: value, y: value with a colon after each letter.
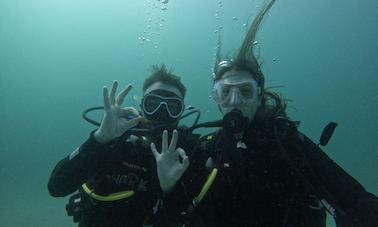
x: 162, y: 108
x: 235, y: 89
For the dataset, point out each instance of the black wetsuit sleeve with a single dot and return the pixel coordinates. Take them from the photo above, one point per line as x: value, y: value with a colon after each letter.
x: 360, y: 206
x: 69, y: 174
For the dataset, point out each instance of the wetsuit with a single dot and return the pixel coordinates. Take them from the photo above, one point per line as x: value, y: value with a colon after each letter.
x: 121, y: 165
x: 273, y: 176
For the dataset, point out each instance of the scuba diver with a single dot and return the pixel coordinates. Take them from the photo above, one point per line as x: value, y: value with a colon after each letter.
x: 119, y: 180
x: 258, y: 169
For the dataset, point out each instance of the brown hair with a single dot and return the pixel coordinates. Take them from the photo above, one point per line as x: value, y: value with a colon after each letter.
x: 161, y: 74
x: 272, y: 104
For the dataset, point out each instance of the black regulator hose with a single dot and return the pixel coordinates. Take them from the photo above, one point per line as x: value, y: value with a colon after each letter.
x: 85, y: 112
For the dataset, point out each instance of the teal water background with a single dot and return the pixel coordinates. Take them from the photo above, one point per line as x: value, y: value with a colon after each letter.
x: 55, y: 57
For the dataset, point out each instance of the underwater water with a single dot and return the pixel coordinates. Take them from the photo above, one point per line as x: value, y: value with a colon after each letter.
x: 55, y: 57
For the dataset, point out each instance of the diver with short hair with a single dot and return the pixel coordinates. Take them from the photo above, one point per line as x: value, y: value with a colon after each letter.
x: 258, y: 170
x: 120, y: 181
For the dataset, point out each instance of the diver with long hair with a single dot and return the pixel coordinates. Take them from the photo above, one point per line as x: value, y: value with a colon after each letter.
x: 258, y: 169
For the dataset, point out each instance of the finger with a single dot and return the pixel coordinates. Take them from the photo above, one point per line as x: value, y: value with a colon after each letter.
x: 130, y: 118
x: 184, y: 157
x: 172, y: 145
x: 130, y: 111
x: 164, y: 142
x: 121, y: 96
x: 105, y: 93
x: 154, y: 150
x: 185, y: 164
x: 135, y: 121
x: 113, y: 92
x: 181, y: 152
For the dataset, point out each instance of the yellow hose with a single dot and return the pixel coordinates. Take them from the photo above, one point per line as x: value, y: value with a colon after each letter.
x: 206, y: 186
x: 107, y: 198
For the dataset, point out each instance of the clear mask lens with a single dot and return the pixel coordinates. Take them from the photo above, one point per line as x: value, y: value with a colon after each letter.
x: 229, y: 90
x: 151, y: 104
